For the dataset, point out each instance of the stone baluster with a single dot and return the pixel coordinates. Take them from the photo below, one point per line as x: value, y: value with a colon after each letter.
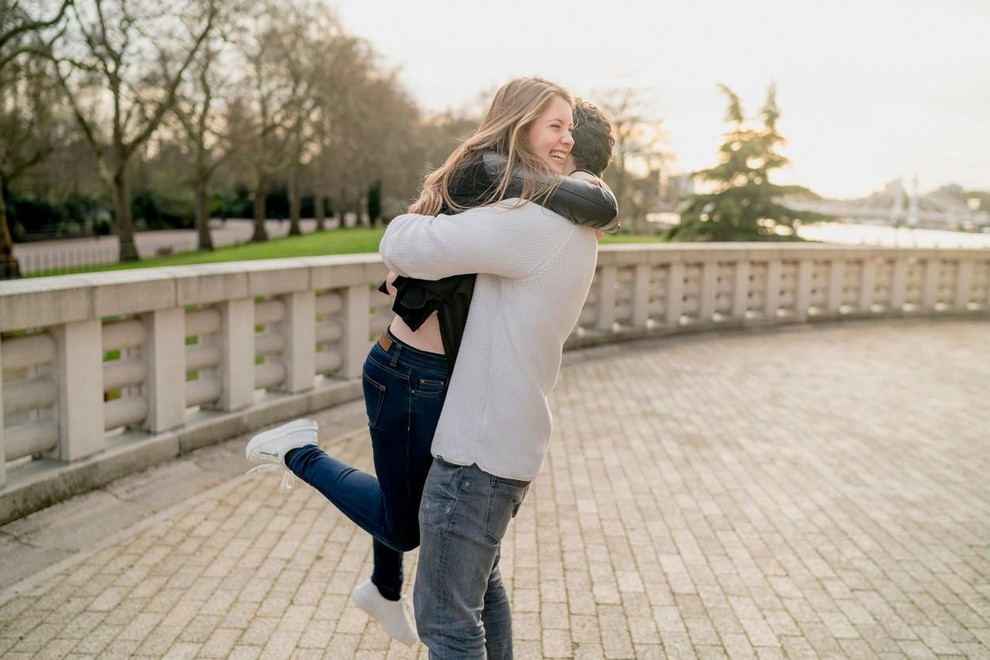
x: 357, y: 329
x: 675, y: 294
x: 899, y: 285
x: 79, y: 356
x: 740, y: 289
x: 836, y: 285
x: 708, y: 291
x: 964, y: 284
x: 802, y: 298
x: 300, y: 332
x: 641, y: 295
x: 165, y: 352
x: 867, y: 284
x: 607, y: 277
x: 929, y: 296
x: 771, y: 307
x: 3, y: 450
x: 237, y: 350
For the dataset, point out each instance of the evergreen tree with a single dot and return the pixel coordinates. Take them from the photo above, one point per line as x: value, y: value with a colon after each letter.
x: 375, y: 203
x: 743, y: 205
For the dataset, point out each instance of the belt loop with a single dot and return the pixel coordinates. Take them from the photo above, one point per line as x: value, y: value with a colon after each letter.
x: 395, y: 355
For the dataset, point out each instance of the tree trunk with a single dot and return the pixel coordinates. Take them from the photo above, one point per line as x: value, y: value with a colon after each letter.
x: 125, y: 222
x: 320, y: 202
x: 260, y: 233
x: 8, y: 263
x: 205, y: 238
x: 294, y: 228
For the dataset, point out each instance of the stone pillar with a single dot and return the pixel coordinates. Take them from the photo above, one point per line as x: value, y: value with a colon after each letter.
x: 606, y: 298
x: 3, y: 450
x: 964, y: 285
x: 675, y: 294
x: 165, y: 350
x: 929, y: 292
x: 772, y: 293
x: 740, y: 289
x: 836, y: 285
x: 237, y: 349
x: 898, y: 285
x: 867, y: 284
x: 79, y: 351
x: 708, y: 291
x: 300, y: 332
x: 357, y: 329
x: 641, y: 296
x: 802, y: 299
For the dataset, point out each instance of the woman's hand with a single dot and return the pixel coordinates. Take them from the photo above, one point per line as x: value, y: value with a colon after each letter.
x: 389, y: 279
x: 585, y: 175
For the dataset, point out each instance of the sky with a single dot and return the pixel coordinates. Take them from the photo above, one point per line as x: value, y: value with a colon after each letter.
x: 869, y: 90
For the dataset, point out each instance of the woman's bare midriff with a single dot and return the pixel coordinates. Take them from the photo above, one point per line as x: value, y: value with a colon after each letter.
x: 426, y: 338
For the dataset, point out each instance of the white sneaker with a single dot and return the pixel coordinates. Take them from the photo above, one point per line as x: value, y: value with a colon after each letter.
x: 395, y: 616
x: 269, y: 448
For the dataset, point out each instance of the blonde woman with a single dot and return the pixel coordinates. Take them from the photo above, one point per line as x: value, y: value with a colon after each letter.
x: 407, y: 371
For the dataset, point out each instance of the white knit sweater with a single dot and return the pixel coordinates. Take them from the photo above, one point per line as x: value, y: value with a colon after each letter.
x: 534, y: 271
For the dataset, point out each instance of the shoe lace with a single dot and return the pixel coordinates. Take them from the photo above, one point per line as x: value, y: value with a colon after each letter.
x: 288, y: 479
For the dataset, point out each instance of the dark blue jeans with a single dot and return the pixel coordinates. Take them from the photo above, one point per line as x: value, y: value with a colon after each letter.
x: 404, y: 389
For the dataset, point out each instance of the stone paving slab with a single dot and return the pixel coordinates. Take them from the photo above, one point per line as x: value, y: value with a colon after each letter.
x: 810, y: 493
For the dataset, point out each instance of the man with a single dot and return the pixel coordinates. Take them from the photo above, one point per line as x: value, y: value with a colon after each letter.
x: 534, y: 271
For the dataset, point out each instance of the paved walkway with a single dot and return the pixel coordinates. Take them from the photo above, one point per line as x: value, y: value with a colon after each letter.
x: 806, y: 493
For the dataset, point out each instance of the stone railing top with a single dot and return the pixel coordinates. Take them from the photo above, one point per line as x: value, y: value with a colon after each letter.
x: 67, y: 298
x: 52, y: 300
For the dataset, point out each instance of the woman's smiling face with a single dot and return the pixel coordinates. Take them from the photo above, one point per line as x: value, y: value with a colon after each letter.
x: 550, y: 133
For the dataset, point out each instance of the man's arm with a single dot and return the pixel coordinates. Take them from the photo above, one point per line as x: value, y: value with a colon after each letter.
x: 507, y: 239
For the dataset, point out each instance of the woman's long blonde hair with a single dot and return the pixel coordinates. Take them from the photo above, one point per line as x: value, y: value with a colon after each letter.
x: 516, y: 105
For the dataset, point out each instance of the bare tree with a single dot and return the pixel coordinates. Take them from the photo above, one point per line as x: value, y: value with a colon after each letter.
x: 638, y: 153
x: 346, y: 63
x: 270, y: 96
x: 374, y: 140
x: 316, y: 28
x: 204, y: 106
x: 120, y: 65
x: 25, y: 103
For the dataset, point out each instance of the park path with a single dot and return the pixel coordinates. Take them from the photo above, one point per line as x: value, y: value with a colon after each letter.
x: 804, y: 493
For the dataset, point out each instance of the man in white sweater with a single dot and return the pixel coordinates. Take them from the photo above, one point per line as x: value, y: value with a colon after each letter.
x: 534, y: 272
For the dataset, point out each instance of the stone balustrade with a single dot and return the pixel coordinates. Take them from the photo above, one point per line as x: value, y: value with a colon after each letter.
x: 108, y: 373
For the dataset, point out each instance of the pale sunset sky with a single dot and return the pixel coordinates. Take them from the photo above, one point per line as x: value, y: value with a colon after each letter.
x: 869, y: 90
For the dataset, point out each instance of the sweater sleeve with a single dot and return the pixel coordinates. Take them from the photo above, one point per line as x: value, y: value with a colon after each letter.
x: 509, y: 239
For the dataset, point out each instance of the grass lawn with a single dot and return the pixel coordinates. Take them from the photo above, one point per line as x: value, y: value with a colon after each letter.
x: 354, y: 240
x: 335, y: 241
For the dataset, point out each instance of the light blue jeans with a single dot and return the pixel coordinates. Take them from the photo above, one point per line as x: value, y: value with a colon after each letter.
x: 462, y: 610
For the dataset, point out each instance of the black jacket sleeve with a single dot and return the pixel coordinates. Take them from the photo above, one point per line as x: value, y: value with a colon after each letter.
x: 579, y: 201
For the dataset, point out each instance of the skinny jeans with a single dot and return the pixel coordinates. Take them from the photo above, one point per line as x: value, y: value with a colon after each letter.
x: 404, y: 390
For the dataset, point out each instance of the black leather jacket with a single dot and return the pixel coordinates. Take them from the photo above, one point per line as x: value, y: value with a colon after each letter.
x: 579, y: 201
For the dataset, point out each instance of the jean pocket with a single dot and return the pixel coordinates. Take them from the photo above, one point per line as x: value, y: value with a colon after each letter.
x: 429, y: 386
x: 503, y: 504
x: 374, y: 398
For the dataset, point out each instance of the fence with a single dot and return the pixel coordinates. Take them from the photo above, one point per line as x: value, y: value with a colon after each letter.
x: 107, y: 373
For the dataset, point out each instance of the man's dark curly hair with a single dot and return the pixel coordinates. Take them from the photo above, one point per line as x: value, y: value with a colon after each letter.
x: 593, y: 140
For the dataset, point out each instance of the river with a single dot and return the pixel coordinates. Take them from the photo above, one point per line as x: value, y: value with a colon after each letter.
x: 848, y: 234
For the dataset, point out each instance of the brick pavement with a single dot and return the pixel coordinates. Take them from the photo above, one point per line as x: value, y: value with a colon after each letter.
x: 803, y: 493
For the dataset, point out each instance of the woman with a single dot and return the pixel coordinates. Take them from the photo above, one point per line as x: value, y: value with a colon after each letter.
x: 528, y: 129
